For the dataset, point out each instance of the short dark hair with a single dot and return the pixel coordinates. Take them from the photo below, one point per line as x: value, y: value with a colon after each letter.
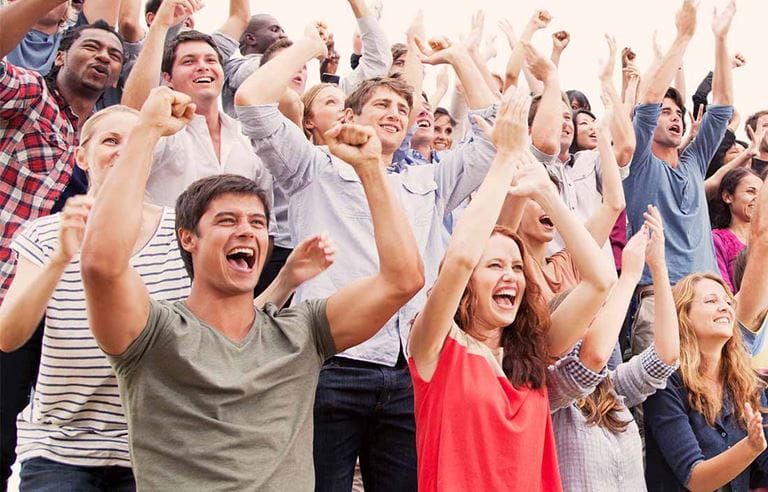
x: 169, y: 56
x: 440, y: 111
x: 676, y: 96
x: 752, y: 120
x: 535, y: 106
x: 398, y: 50
x: 364, y: 91
x: 274, y: 49
x: 580, y: 98
x: 192, y: 204
x: 152, y: 6
x: 71, y: 35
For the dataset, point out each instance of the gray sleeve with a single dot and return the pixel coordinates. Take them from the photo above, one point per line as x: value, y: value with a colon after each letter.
x: 131, y: 54
x: 569, y: 380
x: 240, y: 69
x: 320, y: 329
x: 227, y: 46
x: 462, y: 169
x: 377, y: 55
x: 641, y: 376
x: 290, y: 158
x: 160, y: 320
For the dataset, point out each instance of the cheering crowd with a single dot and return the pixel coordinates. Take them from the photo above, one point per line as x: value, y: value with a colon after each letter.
x: 213, y: 277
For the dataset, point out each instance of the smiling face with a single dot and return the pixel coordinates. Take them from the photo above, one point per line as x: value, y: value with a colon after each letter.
x: 586, y: 137
x: 536, y: 227
x: 387, y: 112
x: 196, y: 71
x: 669, y: 127
x: 443, y: 133
x: 92, y: 64
x: 566, y: 133
x: 101, y: 144
x: 230, y: 243
x: 498, y: 282
x: 425, y: 126
x: 711, y: 312
x: 742, y: 202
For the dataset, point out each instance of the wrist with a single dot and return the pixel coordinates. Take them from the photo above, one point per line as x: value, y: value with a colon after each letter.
x: 60, y: 259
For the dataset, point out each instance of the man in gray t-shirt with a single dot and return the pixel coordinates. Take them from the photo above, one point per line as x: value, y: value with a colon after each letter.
x: 219, y: 395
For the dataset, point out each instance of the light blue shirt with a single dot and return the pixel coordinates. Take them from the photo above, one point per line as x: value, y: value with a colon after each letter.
x: 325, y: 194
x: 36, y: 51
x: 677, y: 192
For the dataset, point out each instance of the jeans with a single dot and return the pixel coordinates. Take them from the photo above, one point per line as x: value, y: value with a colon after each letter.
x: 365, y: 409
x: 18, y: 373
x: 44, y: 475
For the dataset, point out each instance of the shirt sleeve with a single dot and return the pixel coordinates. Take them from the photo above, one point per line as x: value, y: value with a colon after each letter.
x: 282, y: 147
x: 641, y: 376
x: 646, y: 118
x: 666, y: 415
x: 26, y: 244
x: 20, y: 89
x: 710, y: 135
x: 307, y: 317
x: 161, y: 318
x: 241, y: 69
x: 227, y: 46
x: 569, y: 380
x: 461, y: 170
x: 377, y: 56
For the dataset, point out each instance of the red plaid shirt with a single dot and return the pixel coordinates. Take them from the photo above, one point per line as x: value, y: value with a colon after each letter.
x: 38, y: 137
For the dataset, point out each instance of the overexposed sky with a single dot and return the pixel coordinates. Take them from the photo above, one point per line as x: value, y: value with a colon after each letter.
x: 632, y: 22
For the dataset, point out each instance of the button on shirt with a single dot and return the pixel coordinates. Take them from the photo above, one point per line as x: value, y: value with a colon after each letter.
x: 677, y: 438
x: 184, y: 157
x: 677, y: 192
x: 325, y: 194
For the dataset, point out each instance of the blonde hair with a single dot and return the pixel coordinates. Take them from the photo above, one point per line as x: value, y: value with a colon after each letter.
x: 307, y: 99
x: 86, y: 131
x: 602, y: 407
x: 736, y: 374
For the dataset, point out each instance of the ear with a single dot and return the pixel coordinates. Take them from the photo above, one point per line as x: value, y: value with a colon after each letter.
x: 59, y: 60
x: 80, y: 158
x: 349, y: 115
x: 188, y: 240
x: 248, y: 39
x: 149, y: 17
x: 727, y: 197
x: 167, y: 79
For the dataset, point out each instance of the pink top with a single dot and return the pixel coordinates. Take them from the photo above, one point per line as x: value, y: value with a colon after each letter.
x: 475, y: 431
x: 727, y: 248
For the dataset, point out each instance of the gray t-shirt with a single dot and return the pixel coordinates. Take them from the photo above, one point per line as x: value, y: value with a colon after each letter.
x: 206, y: 413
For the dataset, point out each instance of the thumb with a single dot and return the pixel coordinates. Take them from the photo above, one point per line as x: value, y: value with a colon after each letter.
x: 332, y: 134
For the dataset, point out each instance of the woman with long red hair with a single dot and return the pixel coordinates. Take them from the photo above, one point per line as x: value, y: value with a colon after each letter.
x: 480, y: 348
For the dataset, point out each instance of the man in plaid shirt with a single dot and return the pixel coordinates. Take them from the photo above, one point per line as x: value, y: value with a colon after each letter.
x: 40, y: 117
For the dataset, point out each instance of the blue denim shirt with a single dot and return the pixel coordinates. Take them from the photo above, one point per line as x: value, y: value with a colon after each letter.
x: 677, y: 438
x: 677, y: 192
x: 325, y: 195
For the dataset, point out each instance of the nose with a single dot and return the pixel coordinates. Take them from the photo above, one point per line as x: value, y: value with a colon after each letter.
x: 244, y: 229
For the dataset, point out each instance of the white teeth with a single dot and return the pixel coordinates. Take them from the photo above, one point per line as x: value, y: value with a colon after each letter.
x: 723, y: 319
x: 203, y: 80
x: 246, y: 251
x: 390, y: 128
x: 507, y: 292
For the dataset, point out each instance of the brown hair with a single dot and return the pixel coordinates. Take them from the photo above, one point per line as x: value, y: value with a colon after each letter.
x: 736, y: 374
x: 398, y: 50
x: 274, y: 49
x: 752, y: 120
x: 365, y: 89
x: 191, y: 36
x: 601, y: 407
x: 526, y: 353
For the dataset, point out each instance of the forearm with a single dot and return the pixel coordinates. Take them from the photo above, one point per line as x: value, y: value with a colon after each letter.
x: 666, y: 333
x: 752, y: 300
x: 18, y: 18
x: 237, y: 22
x: 600, y: 339
x: 601, y: 223
x: 482, y: 68
x: 276, y: 293
x: 555, y: 57
x: 593, y: 265
x: 658, y: 81
x: 145, y: 75
x: 438, y: 95
x: 680, y: 81
x: 715, y: 472
x: 512, y: 212
x: 21, y: 312
x: 722, y: 81
x: 516, y: 58
x: 107, y: 10
x: 267, y: 84
x: 128, y: 21
x: 621, y: 129
x: 413, y: 75
x: 109, y: 242
x: 548, y: 123
x: 359, y: 8
x: 712, y: 184
x: 398, y: 255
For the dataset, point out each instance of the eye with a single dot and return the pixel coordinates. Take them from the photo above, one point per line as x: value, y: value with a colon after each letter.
x: 226, y: 221
x: 517, y: 268
x: 110, y: 141
x: 494, y: 265
x: 259, y: 223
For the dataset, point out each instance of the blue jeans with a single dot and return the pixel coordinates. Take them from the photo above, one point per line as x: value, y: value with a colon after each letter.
x: 366, y: 410
x: 43, y: 475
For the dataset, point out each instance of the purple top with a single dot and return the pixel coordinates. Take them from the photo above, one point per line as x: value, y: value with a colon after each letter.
x: 727, y: 248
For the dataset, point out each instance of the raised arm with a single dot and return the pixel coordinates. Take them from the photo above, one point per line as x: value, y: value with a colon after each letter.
x: 18, y: 17
x: 659, y: 81
x: 401, y: 272
x: 560, y: 41
x: 441, y: 87
x: 375, y: 46
x: 620, y: 121
x: 539, y: 20
x: 753, y: 299
x: 146, y: 73
x: 548, y: 123
x: 128, y: 22
x: 268, y: 83
x: 413, y: 71
x: 722, y: 81
x: 470, y: 235
x: 601, y: 222
x: 33, y: 284
x: 107, y: 10
x: 116, y: 298
x: 712, y: 183
x: 472, y: 42
x: 237, y: 21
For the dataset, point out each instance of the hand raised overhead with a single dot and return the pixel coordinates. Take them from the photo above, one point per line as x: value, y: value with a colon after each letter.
x: 167, y: 110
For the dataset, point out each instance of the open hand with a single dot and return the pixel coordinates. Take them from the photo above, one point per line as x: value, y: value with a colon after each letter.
x: 541, y: 67
x: 531, y: 179
x: 167, y: 110
x: 439, y: 51
x: 633, y: 255
x: 755, y: 432
x: 309, y: 259
x: 510, y: 132
x: 654, y: 253
x: 356, y: 145
x: 685, y: 20
x: 509, y: 31
x: 721, y: 22
x: 606, y: 73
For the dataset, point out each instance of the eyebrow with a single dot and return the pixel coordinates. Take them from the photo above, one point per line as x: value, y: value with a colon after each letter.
x: 235, y: 214
x: 111, y: 49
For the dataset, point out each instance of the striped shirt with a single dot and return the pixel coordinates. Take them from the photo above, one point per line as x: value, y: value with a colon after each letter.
x: 75, y: 416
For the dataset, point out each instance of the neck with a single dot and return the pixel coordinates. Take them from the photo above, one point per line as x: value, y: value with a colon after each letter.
x: 387, y: 158
x: 740, y: 228
x: 665, y: 153
x: 82, y: 105
x: 536, y: 249
x: 423, y: 148
x: 565, y: 154
x: 763, y: 155
x: 231, y: 315
x: 209, y: 110
x: 487, y: 335
x: 317, y: 138
x: 712, y: 356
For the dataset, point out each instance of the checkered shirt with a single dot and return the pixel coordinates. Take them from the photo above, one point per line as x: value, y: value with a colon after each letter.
x: 38, y: 137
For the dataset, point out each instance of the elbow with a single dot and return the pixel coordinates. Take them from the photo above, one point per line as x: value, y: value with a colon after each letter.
x: 98, y: 267
x: 591, y: 360
x: 605, y: 280
x: 413, y: 281
x: 7, y: 345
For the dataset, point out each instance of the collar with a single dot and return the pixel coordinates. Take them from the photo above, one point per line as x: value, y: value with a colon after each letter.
x: 64, y: 106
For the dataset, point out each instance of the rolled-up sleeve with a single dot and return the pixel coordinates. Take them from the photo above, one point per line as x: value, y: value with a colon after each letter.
x: 569, y: 380
x: 641, y: 376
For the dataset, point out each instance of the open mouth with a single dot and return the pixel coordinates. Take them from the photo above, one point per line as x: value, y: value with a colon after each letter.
x: 241, y: 259
x: 546, y: 221
x: 723, y: 320
x: 440, y: 145
x: 675, y: 129
x: 389, y: 128
x: 100, y: 69
x: 505, y: 298
x: 298, y: 80
x: 203, y: 80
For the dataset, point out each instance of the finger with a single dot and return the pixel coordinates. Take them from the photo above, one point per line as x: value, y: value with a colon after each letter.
x: 331, y: 135
x: 700, y: 114
x: 424, y: 50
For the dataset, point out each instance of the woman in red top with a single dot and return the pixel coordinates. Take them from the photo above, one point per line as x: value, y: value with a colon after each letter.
x: 479, y: 350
